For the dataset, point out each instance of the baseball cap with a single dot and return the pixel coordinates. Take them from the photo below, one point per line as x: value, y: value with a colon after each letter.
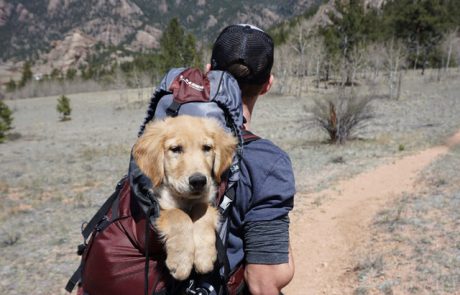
x: 247, y: 45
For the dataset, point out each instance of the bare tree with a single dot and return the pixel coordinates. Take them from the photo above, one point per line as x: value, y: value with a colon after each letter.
x: 299, y: 44
x: 316, y: 57
x: 449, y: 43
x: 394, y: 58
x: 352, y: 64
x: 283, y: 69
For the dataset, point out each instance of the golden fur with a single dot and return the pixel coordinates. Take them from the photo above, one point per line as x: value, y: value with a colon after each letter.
x: 185, y: 157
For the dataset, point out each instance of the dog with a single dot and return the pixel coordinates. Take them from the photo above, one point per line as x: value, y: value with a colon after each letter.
x: 184, y: 157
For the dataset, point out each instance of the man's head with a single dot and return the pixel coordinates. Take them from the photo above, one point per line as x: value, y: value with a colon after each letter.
x: 247, y: 53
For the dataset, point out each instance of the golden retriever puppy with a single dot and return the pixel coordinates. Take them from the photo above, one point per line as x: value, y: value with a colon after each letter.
x: 185, y: 157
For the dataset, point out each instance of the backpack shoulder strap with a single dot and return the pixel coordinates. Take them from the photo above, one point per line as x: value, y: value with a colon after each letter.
x: 248, y: 136
x: 111, y: 202
x: 226, y: 196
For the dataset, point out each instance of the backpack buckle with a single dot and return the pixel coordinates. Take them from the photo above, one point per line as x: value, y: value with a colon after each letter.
x: 225, y: 203
x: 103, y: 223
x: 200, y: 289
x: 80, y: 249
x: 173, y: 109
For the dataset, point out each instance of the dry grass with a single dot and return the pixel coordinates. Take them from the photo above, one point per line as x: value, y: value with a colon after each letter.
x: 416, y: 239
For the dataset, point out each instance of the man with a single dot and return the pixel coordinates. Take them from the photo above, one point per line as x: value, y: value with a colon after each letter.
x: 259, y: 234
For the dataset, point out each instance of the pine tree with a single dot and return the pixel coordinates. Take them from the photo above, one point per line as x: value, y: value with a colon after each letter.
x: 420, y: 24
x: 63, y: 108
x: 26, y: 74
x: 71, y: 73
x: 177, y: 47
x: 171, y: 45
x: 191, y: 56
x: 350, y: 26
x: 6, y: 119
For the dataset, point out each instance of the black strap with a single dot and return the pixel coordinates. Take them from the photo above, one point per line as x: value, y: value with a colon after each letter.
x: 147, y: 254
x: 74, y: 279
x: 222, y: 257
x: 173, y: 109
x: 91, y: 225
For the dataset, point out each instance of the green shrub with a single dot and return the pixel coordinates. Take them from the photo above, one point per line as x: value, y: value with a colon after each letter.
x: 11, y: 86
x: 63, y: 108
x: 6, y: 118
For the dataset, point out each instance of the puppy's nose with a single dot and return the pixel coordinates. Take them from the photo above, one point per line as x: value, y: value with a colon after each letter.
x: 197, y: 182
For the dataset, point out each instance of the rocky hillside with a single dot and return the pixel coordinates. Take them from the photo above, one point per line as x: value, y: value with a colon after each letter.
x: 29, y: 29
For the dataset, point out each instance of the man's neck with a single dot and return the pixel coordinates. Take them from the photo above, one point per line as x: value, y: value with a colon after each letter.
x: 248, y: 106
x: 247, y: 116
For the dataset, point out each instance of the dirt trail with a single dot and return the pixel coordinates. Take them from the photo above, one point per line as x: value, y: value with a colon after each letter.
x: 324, y: 238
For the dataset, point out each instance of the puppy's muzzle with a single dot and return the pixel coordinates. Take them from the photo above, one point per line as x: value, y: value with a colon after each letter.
x: 197, y: 182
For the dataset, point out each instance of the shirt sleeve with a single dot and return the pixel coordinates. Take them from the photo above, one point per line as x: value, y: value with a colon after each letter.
x: 267, y: 242
x: 272, y: 191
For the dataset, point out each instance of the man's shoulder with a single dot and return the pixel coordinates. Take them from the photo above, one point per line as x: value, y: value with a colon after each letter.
x: 267, y: 181
x: 261, y: 149
x: 262, y: 158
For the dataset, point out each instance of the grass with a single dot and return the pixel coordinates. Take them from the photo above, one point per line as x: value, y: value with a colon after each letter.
x: 416, y: 238
x: 112, y: 150
x: 10, y: 238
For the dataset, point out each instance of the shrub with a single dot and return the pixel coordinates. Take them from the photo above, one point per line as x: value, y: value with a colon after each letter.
x: 6, y: 118
x: 11, y: 86
x: 342, y: 115
x: 63, y: 108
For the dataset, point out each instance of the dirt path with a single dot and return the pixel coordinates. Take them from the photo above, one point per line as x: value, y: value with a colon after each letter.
x: 324, y: 238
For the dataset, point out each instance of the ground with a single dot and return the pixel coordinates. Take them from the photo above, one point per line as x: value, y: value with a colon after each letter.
x: 375, y: 216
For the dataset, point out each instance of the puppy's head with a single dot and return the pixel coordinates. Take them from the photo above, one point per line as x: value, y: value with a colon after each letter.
x: 185, y: 154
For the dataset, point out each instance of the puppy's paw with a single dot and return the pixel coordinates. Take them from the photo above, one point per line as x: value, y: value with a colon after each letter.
x: 176, y: 228
x: 180, y: 265
x: 204, y: 235
x: 205, y: 256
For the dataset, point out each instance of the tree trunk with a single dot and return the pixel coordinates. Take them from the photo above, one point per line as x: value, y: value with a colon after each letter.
x: 317, y: 73
x: 398, y: 94
x: 416, y: 57
x: 449, y: 54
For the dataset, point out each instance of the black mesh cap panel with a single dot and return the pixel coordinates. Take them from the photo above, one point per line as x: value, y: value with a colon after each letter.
x: 246, y: 45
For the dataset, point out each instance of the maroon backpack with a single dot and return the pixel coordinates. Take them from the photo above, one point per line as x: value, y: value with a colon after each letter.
x: 121, y: 253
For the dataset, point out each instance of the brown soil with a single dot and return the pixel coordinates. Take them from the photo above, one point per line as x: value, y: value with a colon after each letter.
x: 325, y: 236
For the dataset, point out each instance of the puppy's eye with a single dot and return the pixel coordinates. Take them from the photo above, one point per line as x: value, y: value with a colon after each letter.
x: 207, y: 147
x: 177, y: 149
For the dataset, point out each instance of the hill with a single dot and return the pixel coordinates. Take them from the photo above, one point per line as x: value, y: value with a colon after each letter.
x: 28, y: 29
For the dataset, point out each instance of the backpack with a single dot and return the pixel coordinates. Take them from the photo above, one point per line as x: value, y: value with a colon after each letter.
x: 120, y: 242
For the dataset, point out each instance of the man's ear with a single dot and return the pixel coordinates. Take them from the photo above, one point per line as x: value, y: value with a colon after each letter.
x: 207, y: 68
x: 267, y: 85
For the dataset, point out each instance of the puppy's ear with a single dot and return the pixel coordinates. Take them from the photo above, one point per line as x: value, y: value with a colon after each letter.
x: 149, y: 152
x: 225, y: 146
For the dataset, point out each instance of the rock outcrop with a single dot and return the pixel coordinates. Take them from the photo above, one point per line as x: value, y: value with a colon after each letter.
x: 71, y: 52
